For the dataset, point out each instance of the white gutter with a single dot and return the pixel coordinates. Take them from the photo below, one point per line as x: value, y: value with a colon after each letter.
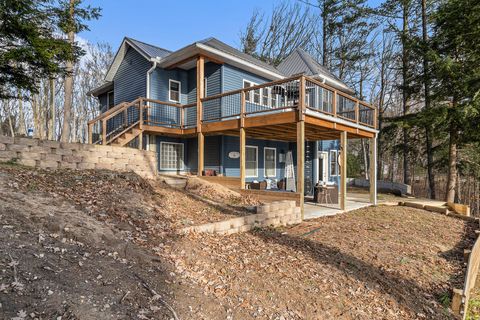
x: 149, y: 72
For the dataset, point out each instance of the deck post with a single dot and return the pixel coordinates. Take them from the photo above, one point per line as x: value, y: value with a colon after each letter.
x: 373, y: 170
x: 301, y: 164
x: 140, y: 123
x: 200, y: 91
x: 242, y: 158
x: 90, y: 133
x: 343, y: 170
x: 104, y: 132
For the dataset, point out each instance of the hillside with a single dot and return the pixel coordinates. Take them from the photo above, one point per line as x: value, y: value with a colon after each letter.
x: 104, y: 245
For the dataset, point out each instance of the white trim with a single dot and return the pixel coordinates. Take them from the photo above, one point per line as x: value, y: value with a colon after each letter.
x: 330, y: 163
x: 182, y: 161
x: 179, y: 91
x: 149, y: 73
x: 320, y: 115
x: 238, y: 60
x: 256, y: 162
x: 274, y: 162
x: 326, y: 165
x: 251, y: 94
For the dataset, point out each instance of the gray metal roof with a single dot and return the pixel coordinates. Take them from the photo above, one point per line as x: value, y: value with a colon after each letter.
x: 148, y: 49
x: 219, y: 45
x: 301, y: 62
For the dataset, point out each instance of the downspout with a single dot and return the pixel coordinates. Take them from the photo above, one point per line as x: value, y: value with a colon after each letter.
x: 149, y: 72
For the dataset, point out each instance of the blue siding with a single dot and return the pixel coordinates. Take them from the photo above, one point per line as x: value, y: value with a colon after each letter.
x: 232, y: 79
x: 231, y: 167
x: 130, y: 81
x: 159, y: 86
x: 213, y: 73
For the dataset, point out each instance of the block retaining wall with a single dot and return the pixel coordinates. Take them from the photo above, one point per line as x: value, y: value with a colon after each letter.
x: 47, y: 154
x: 274, y: 214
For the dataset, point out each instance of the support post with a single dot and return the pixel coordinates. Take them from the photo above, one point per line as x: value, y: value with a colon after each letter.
x: 140, y: 123
x: 301, y: 164
x: 373, y: 170
x: 201, y: 156
x: 200, y: 90
x: 343, y: 170
x: 90, y: 133
x: 242, y: 158
x: 104, y: 132
x: 301, y: 104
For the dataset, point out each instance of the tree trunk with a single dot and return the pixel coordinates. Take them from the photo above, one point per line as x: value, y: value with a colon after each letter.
x: 51, y: 126
x: 324, y: 35
x: 426, y: 84
x: 67, y: 106
x: 22, y: 129
x: 405, y: 91
x: 452, y: 165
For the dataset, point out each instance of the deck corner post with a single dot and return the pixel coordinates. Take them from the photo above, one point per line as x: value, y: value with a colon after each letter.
x: 200, y: 91
x: 301, y: 104
x: 373, y: 170
x: 343, y: 170
x: 242, y: 157
x: 301, y: 165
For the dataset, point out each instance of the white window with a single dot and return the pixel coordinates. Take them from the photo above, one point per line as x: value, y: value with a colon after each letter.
x: 251, y: 161
x: 174, y: 90
x: 247, y: 84
x: 265, y: 96
x: 327, y: 100
x: 270, y: 162
x: 333, y: 162
x: 171, y: 156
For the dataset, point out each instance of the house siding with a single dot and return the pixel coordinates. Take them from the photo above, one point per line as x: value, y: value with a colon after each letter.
x: 231, y: 167
x: 130, y: 81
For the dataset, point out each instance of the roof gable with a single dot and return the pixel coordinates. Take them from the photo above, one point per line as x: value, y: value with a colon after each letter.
x: 300, y: 61
x: 148, y: 51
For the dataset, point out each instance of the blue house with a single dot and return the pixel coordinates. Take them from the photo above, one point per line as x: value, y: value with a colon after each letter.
x: 209, y: 109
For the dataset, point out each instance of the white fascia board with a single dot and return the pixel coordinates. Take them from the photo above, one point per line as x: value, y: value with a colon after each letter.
x: 119, y: 57
x: 320, y: 115
x: 198, y: 48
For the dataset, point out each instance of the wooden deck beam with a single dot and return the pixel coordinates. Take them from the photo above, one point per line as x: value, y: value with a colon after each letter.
x: 242, y: 158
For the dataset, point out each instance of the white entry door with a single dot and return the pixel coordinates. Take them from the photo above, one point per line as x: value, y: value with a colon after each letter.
x: 323, y: 166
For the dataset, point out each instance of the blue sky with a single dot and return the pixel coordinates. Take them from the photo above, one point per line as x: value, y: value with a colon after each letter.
x: 173, y: 24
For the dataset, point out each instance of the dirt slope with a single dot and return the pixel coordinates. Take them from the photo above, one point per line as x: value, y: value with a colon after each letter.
x: 101, y: 245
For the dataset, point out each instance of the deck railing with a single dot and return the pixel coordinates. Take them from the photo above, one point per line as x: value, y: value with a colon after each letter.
x: 271, y: 97
x: 284, y: 95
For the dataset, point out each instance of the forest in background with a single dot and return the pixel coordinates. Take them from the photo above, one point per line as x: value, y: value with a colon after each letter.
x: 416, y: 61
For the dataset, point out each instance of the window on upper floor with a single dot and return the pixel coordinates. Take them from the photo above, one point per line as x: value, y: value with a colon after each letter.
x: 247, y: 84
x: 174, y: 90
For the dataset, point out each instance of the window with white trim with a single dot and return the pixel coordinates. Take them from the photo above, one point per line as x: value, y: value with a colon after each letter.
x: 174, y: 89
x: 333, y: 162
x: 251, y: 161
x: 270, y: 162
x: 247, y: 84
x: 171, y: 156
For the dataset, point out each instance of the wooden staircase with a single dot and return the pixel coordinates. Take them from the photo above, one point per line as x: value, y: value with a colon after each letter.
x: 126, y: 136
x: 119, y: 125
